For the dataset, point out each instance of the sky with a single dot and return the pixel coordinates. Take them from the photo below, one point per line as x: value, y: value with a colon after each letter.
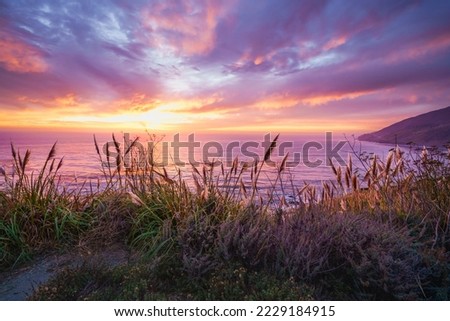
x: 222, y: 66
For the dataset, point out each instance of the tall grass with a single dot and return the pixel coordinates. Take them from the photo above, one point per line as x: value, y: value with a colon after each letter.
x: 36, y: 211
x: 412, y: 188
x: 380, y: 230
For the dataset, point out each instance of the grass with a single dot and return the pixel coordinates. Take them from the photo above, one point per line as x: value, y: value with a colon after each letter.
x: 35, y: 212
x: 149, y: 282
x: 380, y: 231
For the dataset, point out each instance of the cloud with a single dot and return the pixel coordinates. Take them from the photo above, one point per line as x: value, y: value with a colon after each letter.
x: 18, y: 56
x: 187, y: 27
x: 228, y: 62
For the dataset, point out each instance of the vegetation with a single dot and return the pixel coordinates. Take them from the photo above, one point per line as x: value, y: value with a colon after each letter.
x: 380, y: 231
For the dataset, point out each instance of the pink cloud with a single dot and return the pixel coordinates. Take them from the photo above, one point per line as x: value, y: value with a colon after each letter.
x: 187, y: 27
x: 18, y: 56
x: 241, y: 60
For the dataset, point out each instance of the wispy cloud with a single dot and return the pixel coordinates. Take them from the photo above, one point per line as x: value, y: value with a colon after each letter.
x: 18, y: 56
x: 205, y: 64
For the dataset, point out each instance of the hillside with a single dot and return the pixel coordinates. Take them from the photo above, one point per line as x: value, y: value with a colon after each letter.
x: 432, y: 128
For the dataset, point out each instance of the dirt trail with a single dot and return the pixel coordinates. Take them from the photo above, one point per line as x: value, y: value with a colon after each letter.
x: 17, y: 285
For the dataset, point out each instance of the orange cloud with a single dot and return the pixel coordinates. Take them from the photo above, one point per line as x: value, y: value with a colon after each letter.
x: 40, y: 113
x: 334, y: 43
x: 18, y: 56
x: 139, y: 102
x: 60, y: 102
x: 70, y: 100
x: 323, y: 99
x: 276, y: 102
x: 248, y: 57
x: 286, y: 101
x: 137, y: 111
x: 258, y: 60
x: 288, y: 125
x: 432, y: 45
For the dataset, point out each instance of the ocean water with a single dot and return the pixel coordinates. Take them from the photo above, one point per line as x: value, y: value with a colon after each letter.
x: 306, y: 160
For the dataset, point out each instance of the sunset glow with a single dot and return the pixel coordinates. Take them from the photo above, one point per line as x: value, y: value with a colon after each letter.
x: 297, y: 66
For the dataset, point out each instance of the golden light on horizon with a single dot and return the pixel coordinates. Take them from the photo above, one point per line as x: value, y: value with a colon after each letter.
x: 209, y: 113
x: 195, y: 65
x: 176, y: 115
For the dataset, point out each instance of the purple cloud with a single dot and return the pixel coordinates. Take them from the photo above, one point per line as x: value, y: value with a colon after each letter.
x: 339, y: 56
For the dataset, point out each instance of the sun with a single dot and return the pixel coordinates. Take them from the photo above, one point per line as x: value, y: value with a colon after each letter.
x: 160, y: 118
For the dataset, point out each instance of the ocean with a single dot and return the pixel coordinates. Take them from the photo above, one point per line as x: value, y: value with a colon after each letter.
x: 306, y: 160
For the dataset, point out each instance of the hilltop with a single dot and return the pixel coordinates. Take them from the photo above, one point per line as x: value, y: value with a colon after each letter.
x: 432, y: 128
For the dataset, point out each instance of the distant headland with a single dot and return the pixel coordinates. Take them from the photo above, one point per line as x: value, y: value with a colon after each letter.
x: 430, y: 129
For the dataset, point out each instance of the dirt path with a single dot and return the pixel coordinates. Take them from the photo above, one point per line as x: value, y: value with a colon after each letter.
x: 19, y: 284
